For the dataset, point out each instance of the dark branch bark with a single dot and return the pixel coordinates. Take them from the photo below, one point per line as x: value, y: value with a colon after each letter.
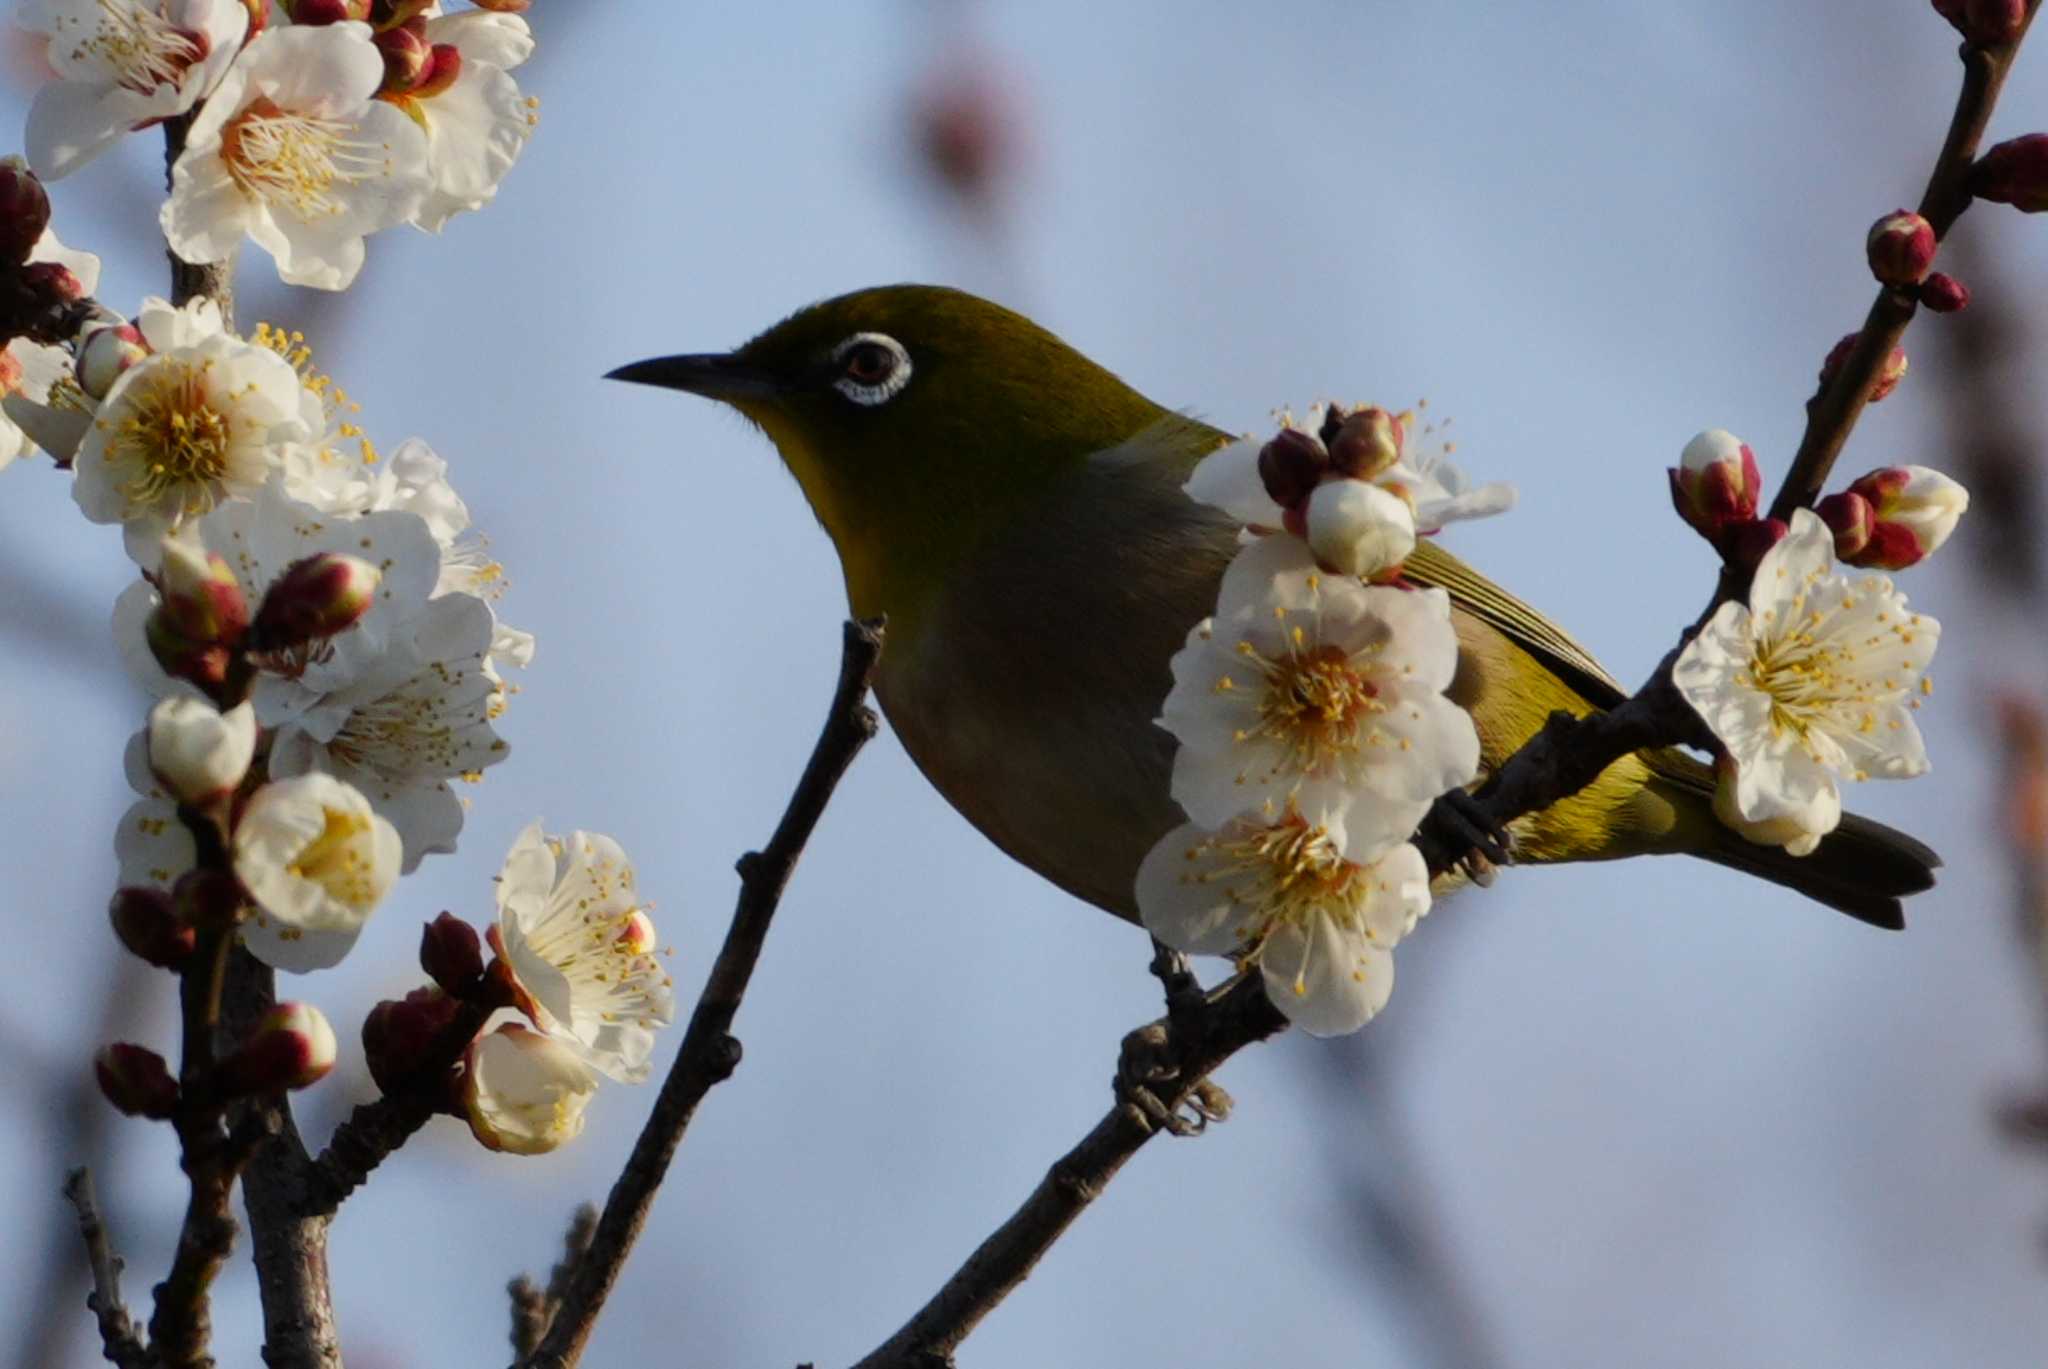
x: 709, y: 1053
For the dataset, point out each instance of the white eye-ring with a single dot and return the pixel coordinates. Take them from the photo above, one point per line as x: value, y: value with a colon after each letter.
x: 873, y: 368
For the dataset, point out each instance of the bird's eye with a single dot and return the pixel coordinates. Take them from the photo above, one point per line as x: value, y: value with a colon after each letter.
x: 873, y: 368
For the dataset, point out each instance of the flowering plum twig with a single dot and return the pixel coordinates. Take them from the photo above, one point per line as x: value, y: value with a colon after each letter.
x: 1565, y: 756
x: 709, y: 1052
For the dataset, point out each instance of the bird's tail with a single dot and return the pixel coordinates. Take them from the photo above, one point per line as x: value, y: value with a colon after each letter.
x: 1862, y: 868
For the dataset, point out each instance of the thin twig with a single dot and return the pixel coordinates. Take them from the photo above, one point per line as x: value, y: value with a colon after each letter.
x: 117, y: 1328
x: 709, y: 1053
x: 534, y: 1308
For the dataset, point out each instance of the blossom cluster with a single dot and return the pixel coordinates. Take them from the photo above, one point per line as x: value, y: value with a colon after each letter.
x: 1311, y: 712
x: 1816, y: 677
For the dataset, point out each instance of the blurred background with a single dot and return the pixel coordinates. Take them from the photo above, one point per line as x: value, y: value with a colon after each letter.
x: 1649, y: 1114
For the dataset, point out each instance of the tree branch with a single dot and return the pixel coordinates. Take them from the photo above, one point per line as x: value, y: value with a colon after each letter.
x: 709, y: 1053
x: 117, y: 1327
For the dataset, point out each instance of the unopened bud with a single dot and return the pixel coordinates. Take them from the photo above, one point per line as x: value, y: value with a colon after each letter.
x: 1367, y: 442
x: 1888, y: 377
x: 444, y: 65
x: 2015, y: 173
x: 205, y: 664
x: 1748, y: 542
x: 1901, y: 247
x: 208, y: 898
x: 1291, y: 465
x: 1851, y: 519
x: 1715, y: 485
x: 1356, y: 528
x: 104, y: 354
x: 1991, y: 22
x: 136, y: 1080
x: 308, y: 13
x: 317, y: 597
x: 452, y: 954
x: 505, y: 6
x: 24, y: 210
x: 259, y: 16
x: 147, y: 923
x: 292, y: 1046
x: 1915, y: 509
x: 386, y: 14
x: 200, y: 595
x: 51, y: 284
x: 198, y: 752
x: 398, y: 1035
x: 1944, y: 294
x: 407, y: 54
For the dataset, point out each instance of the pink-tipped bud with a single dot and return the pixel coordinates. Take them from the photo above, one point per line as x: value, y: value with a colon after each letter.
x: 292, y: 1046
x: 317, y: 597
x: 136, y: 1080
x: 147, y: 923
x: 1944, y: 294
x: 636, y: 934
x: 407, y: 55
x: 1748, y: 542
x: 398, y: 1034
x: 1888, y: 376
x: 444, y: 65
x: 1716, y: 484
x: 2015, y: 173
x: 1292, y: 465
x: 1367, y: 442
x: 24, y: 210
x: 205, y: 664
x: 1901, y: 248
x: 201, y: 598
x: 452, y: 954
x: 1914, y: 508
x: 104, y: 354
x: 309, y: 13
x: 197, y: 752
x: 1851, y: 519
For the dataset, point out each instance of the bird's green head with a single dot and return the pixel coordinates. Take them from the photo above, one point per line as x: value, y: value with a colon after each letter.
x: 918, y: 420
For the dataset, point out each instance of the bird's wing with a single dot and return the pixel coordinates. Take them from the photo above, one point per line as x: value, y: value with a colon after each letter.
x: 1515, y: 620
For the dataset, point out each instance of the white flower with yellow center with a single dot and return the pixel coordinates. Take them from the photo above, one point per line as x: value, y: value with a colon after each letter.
x: 581, y: 948
x: 525, y: 1092
x: 295, y: 151
x: 1438, y: 491
x: 1281, y: 896
x: 201, y: 421
x: 478, y: 124
x: 40, y: 403
x: 1815, y: 680
x: 122, y: 65
x: 1316, y: 691
x: 317, y: 861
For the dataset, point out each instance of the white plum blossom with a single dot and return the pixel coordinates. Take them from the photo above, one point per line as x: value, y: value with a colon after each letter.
x: 1358, y: 529
x: 122, y: 65
x: 1438, y: 491
x: 525, y: 1092
x: 400, y: 704
x: 198, y: 752
x: 151, y: 847
x: 201, y: 421
x: 317, y: 861
x: 1318, y: 692
x: 581, y: 949
x: 1280, y: 895
x: 478, y: 124
x: 295, y: 151
x: 40, y: 402
x: 1813, y: 681
x: 1228, y: 479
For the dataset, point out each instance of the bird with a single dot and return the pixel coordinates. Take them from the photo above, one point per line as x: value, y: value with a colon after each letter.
x: 1016, y: 513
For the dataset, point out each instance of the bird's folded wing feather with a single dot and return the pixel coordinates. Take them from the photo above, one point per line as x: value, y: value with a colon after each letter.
x: 1515, y: 620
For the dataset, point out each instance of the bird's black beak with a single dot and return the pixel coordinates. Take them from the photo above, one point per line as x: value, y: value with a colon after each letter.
x: 715, y: 375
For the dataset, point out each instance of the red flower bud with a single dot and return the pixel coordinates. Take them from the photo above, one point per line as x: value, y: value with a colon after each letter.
x: 1291, y: 465
x: 444, y: 64
x: 51, y: 283
x: 290, y: 1048
x: 24, y: 210
x: 2015, y: 173
x: 1888, y: 376
x: 1944, y: 294
x: 201, y: 599
x: 452, y: 954
x: 146, y: 920
x: 1716, y: 485
x: 136, y: 1080
x: 1850, y: 517
x: 1748, y: 543
x: 317, y: 597
x: 505, y: 6
x: 1901, y: 248
x: 1366, y: 443
x: 309, y: 13
x: 398, y: 1033
x: 407, y: 55
x: 1914, y: 509
x: 1991, y: 22
x: 386, y: 14
x: 205, y: 664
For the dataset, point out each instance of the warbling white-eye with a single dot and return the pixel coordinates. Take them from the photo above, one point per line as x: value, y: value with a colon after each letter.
x: 1017, y: 513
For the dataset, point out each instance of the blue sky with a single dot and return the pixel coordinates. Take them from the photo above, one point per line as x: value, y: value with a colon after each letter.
x: 1663, y: 1115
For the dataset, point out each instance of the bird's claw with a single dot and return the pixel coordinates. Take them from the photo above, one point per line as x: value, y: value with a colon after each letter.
x: 1460, y: 827
x: 1146, y: 1069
